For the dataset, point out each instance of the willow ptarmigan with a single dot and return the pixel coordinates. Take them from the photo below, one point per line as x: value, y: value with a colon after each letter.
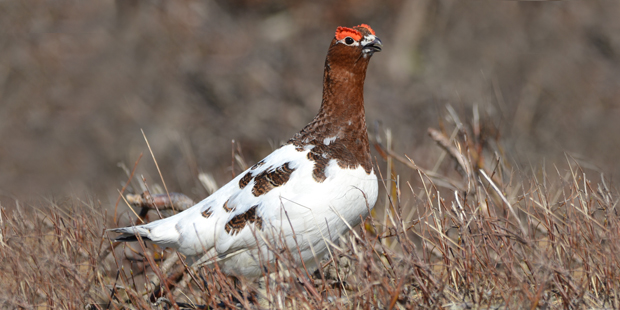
x: 305, y: 190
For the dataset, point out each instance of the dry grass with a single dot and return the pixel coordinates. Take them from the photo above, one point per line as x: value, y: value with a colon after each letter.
x: 78, y: 80
x: 489, y: 236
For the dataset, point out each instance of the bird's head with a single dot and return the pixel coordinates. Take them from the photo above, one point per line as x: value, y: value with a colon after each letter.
x: 352, y: 47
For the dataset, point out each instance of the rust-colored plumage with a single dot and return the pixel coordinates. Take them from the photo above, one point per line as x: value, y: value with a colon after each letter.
x: 228, y: 209
x: 245, y: 179
x: 268, y: 180
x: 237, y: 223
x: 257, y: 165
x: 339, y: 130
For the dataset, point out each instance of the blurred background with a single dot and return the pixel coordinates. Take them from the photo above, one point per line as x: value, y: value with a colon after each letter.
x: 79, y: 79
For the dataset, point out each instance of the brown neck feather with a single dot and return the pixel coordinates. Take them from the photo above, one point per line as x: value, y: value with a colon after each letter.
x: 340, y: 120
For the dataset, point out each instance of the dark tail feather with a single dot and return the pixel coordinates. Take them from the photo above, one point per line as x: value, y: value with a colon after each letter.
x: 129, y: 238
x: 129, y: 234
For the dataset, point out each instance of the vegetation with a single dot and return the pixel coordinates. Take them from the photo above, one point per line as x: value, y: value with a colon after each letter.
x: 510, y: 202
x: 491, y: 236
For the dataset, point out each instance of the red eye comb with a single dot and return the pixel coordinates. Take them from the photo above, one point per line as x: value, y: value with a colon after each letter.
x: 343, y: 32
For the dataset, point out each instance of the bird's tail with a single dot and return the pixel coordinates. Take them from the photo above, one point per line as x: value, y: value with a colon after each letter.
x: 163, y: 232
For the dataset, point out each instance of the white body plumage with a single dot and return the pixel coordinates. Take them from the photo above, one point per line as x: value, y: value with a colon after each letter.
x: 314, y: 211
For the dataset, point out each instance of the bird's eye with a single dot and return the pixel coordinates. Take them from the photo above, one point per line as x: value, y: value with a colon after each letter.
x: 348, y: 40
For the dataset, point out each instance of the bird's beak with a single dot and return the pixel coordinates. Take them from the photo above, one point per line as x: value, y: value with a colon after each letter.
x: 373, y: 45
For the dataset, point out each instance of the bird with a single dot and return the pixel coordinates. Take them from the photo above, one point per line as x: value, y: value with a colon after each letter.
x: 305, y: 194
